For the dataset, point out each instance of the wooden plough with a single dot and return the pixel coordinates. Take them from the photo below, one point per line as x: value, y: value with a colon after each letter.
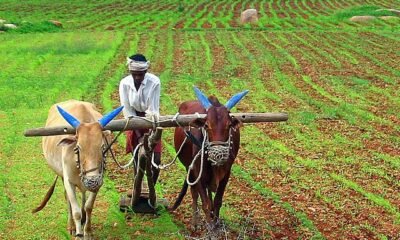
x: 145, y: 203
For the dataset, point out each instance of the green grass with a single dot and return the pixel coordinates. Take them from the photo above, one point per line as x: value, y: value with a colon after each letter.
x: 366, y: 10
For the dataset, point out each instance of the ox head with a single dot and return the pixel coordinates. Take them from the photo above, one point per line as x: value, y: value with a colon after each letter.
x: 219, y: 125
x: 90, y: 142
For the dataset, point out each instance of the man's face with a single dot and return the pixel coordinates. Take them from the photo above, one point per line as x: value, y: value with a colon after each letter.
x: 138, y: 76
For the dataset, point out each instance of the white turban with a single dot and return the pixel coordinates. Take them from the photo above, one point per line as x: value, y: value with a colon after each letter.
x: 137, y: 65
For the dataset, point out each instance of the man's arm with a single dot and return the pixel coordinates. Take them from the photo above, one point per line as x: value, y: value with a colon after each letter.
x: 155, y: 100
x: 124, y: 99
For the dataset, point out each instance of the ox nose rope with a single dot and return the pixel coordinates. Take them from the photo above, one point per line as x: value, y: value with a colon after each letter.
x: 218, y: 151
x: 218, y: 154
x: 92, y: 183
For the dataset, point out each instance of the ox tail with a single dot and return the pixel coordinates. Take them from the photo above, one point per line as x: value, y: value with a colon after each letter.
x: 47, y: 197
x: 180, y: 197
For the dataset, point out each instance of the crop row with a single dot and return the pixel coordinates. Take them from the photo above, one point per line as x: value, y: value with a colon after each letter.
x: 274, y: 15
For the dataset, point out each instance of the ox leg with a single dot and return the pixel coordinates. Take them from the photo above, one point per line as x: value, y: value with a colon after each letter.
x: 75, y: 209
x: 211, y: 202
x: 83, y: 220
x: 220, y: 194
x: 88, y: 209
x: 71, y: 225
x: 195, y: 209
x: 206, y: 204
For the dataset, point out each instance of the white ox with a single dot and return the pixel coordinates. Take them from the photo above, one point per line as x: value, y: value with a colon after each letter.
x: 78, y: 159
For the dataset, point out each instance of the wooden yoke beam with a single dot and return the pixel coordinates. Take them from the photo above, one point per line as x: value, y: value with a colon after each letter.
x: 163, y: 121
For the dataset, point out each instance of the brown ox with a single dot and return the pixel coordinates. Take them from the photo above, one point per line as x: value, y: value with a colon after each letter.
x: 218, y: 135
x: 79, y: 160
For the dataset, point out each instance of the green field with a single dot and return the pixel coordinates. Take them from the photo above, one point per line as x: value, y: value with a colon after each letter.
x: 331, y: 172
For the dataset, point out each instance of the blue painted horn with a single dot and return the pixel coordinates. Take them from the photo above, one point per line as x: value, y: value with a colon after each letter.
x: 202, y: 98
x: 110, y: 116
x: 235, y: 99
x: 68, y: 117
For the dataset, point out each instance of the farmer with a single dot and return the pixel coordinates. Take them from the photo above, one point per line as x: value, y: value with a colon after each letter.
x: 139, y: 93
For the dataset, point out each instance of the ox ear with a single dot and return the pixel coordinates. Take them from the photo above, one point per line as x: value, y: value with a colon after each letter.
x: 110, y: 116
x: 68, y: 117
x: 235, y: 99
x: 236, y: 123
x: 202, y: 98
x: 67, y: 141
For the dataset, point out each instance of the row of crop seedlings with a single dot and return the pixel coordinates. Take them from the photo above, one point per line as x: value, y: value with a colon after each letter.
x: 264, y: 148
x: 295, y: 19
x: 370, y: 102
x: 193, y: 21
x: 229, y: 13
x: 389, y: 35
x: 389, y: 73
x: 88, y: 20
x: 223, y: 14
x: 344, y: 41
x: 162, y: 16
x: 308, y: 13
x: 190, y: 13
x: 365, y: 115
x: 135, y: 15
x: 316, y: 15
x: 128, y: 16
x: 203, y: 17
x: 233, y: 14
x: 221, y: 96
x: 249, y: 155
x: 385, y: 47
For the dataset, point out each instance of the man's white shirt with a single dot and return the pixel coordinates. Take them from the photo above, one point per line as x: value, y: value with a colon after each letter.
x: 146, y: 99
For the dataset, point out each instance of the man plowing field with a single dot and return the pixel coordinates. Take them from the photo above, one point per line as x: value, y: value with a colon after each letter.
x: 140, y: 94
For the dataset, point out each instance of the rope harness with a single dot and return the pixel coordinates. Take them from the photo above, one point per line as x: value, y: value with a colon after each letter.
x: 90, y: 182
x: 218, y: 154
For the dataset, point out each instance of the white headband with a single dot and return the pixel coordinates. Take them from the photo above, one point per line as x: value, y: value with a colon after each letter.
x: 137, y: 65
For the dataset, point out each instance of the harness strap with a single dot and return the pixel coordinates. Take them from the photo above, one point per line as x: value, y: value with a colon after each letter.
x: 192, y: 138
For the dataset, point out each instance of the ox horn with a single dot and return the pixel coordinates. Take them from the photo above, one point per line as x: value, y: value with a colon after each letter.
x: 235, y: 99
x: 68, y: 117
x: 110, y: 116
x: 202, y: 98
